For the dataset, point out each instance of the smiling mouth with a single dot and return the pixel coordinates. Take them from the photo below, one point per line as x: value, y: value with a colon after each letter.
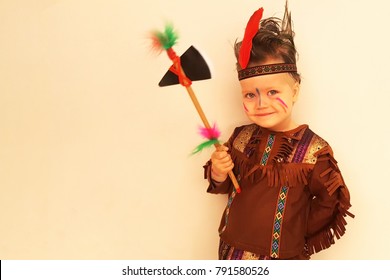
x: 262, y: 115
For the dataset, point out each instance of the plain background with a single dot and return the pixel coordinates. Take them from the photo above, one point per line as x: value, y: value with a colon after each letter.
x: 95, y: 157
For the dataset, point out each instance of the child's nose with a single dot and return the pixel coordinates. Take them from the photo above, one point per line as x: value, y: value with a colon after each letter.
x: 263, y: 100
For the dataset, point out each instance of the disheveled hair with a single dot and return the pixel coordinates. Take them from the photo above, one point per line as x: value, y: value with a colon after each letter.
x: 274, y: 39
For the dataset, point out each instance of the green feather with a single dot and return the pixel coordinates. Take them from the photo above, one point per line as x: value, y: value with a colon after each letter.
x: 205, y: 145
x: 168, y: 38
x: 171, y: 36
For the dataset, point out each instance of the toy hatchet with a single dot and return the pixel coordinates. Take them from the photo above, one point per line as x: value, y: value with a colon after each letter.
x: 196, y: 69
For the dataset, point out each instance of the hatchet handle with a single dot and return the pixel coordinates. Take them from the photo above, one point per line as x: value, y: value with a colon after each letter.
x: 178, y: 70
x: 207, y: 125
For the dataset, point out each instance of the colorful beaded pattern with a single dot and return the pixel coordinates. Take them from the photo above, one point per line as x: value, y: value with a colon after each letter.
x: 227, y: 210
x: 267, y: 150
x: 228, y: 252
x: 303, y: 145
x: 308, y: 146
x: 277, y: 229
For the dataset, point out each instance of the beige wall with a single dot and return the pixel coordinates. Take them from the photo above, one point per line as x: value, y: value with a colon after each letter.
x: 94, y: 156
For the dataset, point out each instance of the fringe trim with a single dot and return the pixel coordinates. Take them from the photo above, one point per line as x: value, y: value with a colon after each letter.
x: 279, y: 171
x: 325, y: 238
x: 285, y: 150
x: 277, y: 174
x: 335, y: 179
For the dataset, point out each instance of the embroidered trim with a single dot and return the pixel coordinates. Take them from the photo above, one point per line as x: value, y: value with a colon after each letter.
x: 228, y: 252
x: 317, y: 144
x: 227, y: 210
x: 302, y: 147
x: 267, y: 150
x: 243, y: 137
x: 265, y: 70
x: 278, y: 220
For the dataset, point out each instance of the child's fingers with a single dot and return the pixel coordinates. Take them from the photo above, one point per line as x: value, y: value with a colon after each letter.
x: 222, y: 148
x: 222, y: 169
x: 221, y: 152
x: 222, y: 161
x: 226, y: 168
x: 225, y: 159
x: 227, y: 165
x: 220, y: 157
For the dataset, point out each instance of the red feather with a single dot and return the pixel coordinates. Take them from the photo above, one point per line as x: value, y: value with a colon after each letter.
x: 250, y: 31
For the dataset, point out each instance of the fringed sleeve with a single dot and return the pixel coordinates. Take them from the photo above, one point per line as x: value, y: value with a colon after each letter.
x: 330, y: 203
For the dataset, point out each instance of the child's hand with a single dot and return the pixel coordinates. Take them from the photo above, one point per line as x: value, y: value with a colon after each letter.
x: 222, y: 164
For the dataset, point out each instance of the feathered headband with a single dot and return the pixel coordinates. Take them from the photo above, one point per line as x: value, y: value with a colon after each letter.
x: 251, y: 30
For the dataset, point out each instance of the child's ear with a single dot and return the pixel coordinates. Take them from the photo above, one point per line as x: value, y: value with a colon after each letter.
x: 296, y: 89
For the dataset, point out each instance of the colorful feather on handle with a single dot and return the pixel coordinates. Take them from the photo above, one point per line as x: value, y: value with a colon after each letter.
x: 211, y: 133
x: 164, y: 40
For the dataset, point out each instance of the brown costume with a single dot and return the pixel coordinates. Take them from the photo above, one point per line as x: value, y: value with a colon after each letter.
x: 293, y: 201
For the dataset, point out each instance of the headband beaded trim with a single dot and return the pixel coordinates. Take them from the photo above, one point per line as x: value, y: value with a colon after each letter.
x: 265, y: 70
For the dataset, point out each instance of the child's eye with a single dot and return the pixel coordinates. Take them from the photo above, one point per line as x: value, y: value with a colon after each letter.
x: 250, y: 95
x: 272, y: 92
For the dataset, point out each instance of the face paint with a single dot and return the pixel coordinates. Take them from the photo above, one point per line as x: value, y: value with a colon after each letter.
x: 268, y: 101
x: 258, y: 92
x: 285, y: 107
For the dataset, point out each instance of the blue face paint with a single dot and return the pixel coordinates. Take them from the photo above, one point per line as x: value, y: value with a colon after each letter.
x: 258, y: 92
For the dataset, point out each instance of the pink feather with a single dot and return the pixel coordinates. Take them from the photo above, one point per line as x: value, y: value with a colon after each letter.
x: 210, y: 133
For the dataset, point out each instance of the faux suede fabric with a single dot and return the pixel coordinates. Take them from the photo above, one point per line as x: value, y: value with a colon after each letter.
x: 293, y: 200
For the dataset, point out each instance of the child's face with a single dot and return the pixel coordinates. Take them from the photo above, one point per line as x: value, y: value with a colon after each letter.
x: 268, y: 100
